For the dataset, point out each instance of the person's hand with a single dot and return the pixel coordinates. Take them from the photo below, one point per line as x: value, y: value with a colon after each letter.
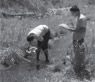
x: 50, y: 44
x: 40, y: 38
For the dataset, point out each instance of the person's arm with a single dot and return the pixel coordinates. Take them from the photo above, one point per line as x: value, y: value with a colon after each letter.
x: 51, y: 34
x: 40, y: 38
x: 72, y: 29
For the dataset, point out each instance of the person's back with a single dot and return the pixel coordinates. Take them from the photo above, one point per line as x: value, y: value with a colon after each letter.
x: 39, y: 30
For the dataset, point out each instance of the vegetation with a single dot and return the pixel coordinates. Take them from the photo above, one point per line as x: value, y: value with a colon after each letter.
x: 13, y: 32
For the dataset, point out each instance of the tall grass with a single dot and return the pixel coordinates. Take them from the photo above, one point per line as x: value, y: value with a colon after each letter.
x: 13, y: 32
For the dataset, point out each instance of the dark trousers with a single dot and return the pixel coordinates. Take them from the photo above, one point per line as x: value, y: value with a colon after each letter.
x: 43, y: 45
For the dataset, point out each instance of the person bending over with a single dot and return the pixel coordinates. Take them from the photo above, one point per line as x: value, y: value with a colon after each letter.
x: 42, y: 35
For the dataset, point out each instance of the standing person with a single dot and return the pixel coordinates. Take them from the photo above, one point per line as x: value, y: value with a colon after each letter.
x: 42, y: 34
x: 78, y: 39
x: 79, y: 31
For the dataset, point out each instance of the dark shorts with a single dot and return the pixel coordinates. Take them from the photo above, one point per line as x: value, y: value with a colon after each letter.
x: 79, y: 46
x: 79, y: 51
x: 43, y: 45
x: 78, y: 42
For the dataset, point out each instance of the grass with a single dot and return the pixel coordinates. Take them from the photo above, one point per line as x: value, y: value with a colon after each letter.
x: 13, y: 32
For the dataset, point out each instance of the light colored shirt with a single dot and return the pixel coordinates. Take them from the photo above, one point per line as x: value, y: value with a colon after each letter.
x: 39, y: 32
x: 80, y: 29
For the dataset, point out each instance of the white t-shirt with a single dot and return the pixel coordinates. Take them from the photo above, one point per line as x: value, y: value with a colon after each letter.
x: 39, y: 32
